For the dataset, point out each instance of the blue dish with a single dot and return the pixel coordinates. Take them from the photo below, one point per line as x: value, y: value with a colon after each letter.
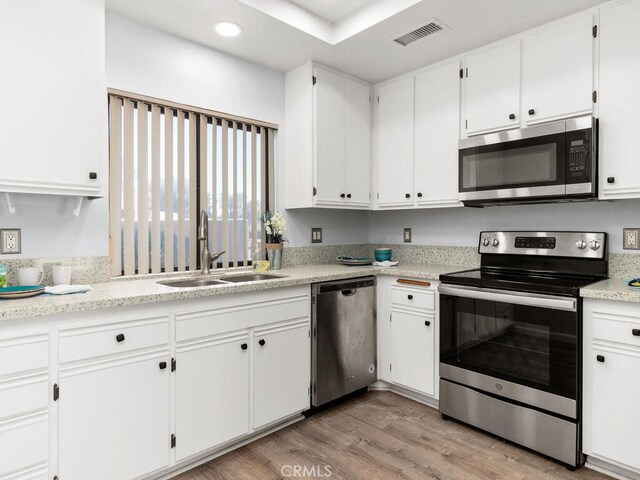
x: 382, y: 254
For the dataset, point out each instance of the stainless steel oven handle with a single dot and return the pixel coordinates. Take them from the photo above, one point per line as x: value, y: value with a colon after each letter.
x: 506, y: 296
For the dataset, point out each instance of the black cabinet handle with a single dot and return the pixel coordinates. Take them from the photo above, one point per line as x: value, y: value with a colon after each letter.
x: 636, y: 332
x: 262, y: 342
x: 600, y: 358
x: 162, y: 365
x: 419, y: 195
x: 348, y: 195
x: 342, y: 195
x: 244, y: 346
x: 532, y: 112
x: 611, y: 179
x: 427, y: 323
x: 120, y: 337
x: 512, y: 116
x: 407, y: 195
x: 93, y: 175
x: 410, y: 297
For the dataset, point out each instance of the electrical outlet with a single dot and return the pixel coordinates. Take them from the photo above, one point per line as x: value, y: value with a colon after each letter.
x: 407, y: 235
x: 316, y: 235
x: 10, y: 241
x: 631, y: 239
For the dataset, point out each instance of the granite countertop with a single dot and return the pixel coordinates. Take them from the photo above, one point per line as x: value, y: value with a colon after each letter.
x: 125, y: 292
x: 612, y: 289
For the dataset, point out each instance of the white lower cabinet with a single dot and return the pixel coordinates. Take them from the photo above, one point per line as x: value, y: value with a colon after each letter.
x: 212, y: 393
x: 611, y: 386
x: 281, y: 366
x: 114, y: 418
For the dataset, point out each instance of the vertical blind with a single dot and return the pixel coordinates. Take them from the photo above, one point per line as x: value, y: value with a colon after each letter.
x: 169, y: 161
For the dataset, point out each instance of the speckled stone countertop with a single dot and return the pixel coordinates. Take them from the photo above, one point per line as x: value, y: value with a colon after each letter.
x: 148, y: 290
x: 612, y: 289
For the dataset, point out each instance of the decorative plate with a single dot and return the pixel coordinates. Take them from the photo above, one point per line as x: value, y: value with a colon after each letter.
x: 354, y: 261
x: 21, y: 292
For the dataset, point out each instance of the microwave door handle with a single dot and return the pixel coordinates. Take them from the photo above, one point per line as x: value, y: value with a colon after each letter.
x: 517, y: 298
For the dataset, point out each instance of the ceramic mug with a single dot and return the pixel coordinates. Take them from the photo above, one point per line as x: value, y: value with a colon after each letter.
x: 30, y: 276
x: 61, y: 274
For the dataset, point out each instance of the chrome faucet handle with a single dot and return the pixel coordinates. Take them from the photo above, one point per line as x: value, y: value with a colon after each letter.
x: 215, y: 256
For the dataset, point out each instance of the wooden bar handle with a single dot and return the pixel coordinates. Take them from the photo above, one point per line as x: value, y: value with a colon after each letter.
x: 417, y: 283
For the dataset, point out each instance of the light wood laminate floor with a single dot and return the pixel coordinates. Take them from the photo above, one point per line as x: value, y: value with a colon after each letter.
x: 381, y: 435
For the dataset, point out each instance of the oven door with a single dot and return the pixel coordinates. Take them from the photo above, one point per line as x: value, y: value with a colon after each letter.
x: 514, y: 345
x: 513, y: 165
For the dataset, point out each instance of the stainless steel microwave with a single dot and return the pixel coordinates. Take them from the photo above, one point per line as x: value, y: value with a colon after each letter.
x: 551, y: 162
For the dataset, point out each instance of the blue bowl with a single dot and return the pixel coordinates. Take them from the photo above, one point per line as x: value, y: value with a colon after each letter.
x: 382, y: 254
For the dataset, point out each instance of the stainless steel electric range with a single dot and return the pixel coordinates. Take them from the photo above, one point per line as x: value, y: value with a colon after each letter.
x: 511, y: 338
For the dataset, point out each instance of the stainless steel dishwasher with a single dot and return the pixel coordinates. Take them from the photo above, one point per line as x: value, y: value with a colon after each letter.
x: 343, y: 350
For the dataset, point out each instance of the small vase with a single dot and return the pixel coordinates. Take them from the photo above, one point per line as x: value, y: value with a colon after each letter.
x: 274, y: 255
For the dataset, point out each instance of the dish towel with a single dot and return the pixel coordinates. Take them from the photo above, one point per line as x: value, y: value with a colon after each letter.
x: 66, y: 289
x: 386, y: 263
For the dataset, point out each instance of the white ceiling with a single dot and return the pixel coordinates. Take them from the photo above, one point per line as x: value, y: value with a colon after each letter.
x: 330, y: 10
x: 369, y: 54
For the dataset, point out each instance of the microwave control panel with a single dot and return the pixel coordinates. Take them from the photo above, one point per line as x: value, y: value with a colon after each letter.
x: 579, y: 156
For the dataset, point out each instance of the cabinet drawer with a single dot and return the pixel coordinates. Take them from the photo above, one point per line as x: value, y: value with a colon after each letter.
x: 83, y: 343
x: 24, y: 443
x: 422, y: 298
x: 20, y: 397
x: 616, y: 328
x: 18, y: 355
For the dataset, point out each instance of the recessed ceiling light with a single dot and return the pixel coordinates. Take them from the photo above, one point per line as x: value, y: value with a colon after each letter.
x: 228, y: 29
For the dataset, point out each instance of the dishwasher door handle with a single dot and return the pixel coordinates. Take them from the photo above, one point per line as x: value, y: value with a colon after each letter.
x: 349, y: 293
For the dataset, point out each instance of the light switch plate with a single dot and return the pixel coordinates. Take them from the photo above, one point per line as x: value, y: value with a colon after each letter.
x: 630, y: 239
x: 316, y: 235
x: 10, y: 241
x: 407, y: 235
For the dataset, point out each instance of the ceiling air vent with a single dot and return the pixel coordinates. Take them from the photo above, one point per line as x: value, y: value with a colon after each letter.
x: 432, y: 27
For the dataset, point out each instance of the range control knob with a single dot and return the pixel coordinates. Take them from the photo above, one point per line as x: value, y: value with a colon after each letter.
x: 485, y: 242
x: 594, y: 244
x: 581, y: 244
x: 495, y: 242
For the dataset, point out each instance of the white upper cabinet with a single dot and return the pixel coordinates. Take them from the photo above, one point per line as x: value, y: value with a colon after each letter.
x: 557, y: 71
x: 328, y: 119
x: 619, y: 97
x: 492, y: 89
x: 394, y: 141
x: 437, y: 117
x: 53, y: 97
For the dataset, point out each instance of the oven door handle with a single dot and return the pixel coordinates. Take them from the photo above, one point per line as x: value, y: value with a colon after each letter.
x: 506, y: 296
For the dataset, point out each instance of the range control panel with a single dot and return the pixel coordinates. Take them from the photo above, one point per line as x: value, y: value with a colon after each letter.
x: 560, y: 244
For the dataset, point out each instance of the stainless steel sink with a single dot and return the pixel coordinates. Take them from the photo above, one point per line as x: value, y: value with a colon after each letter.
x: 196, y: 282
x: 250, y: 277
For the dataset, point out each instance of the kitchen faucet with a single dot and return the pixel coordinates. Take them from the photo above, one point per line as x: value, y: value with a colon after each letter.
x: 206, y: 259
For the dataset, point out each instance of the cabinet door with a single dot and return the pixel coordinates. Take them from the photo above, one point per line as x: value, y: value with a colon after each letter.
x: 394, y: 156
x: 413, y: 351
x: 114, y: 419
x: 437, y: 117
x: 619, y: 97
x: 357, y: 142
x: 557, y: 71
x: 492, y: 89
x: 614, y: 415
x: 212, y: 394
x: 281, y: 372
x: 329, y: 137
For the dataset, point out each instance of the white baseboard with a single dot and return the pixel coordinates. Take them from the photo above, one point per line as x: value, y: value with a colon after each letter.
x: 611, y: 469
x: 383, y: 386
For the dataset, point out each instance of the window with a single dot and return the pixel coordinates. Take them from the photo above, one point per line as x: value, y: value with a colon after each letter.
x: 167, y: 163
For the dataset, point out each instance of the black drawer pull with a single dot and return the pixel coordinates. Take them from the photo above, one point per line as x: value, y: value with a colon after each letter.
x: 427, y: 323
x: 93, y: 175
x: 162, y: 365
x: 636, y: 332
x: 348, y: 195
x: 120, y: 337
x: 611, y: 179
x: 244, y: 346
x: 410, y: 297
x: 342, y: 195
x: 600, y: 358
x: 419, y: 195
x: 512, y: 116
x: 532, y: 112
x: 407, y: 195
x: 262, y: 342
